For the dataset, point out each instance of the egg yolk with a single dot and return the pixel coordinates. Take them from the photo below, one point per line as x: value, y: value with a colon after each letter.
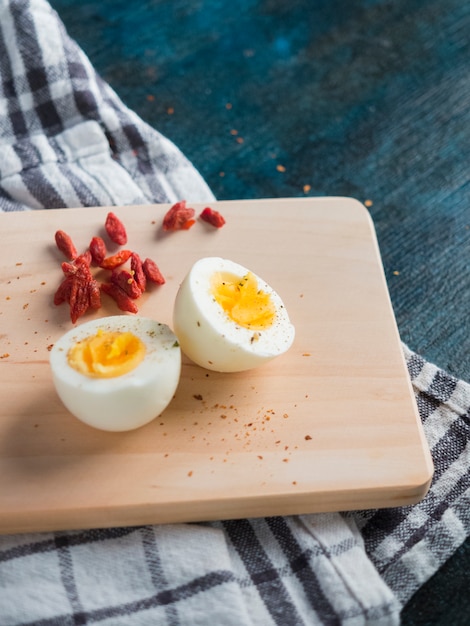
x: 106, y: 354
x: 243, y: 302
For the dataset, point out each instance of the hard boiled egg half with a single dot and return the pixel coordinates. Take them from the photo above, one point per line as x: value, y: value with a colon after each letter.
x: 116, y: 373
x: 228, y: 319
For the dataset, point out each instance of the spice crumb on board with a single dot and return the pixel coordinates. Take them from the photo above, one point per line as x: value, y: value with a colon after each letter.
x: 5, y: 355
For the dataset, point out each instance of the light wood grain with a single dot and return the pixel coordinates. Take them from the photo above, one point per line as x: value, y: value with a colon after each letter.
x: 331, y: 425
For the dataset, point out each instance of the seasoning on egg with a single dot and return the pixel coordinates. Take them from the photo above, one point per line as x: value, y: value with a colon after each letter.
x: 243, y: 301
x: 106, y: 354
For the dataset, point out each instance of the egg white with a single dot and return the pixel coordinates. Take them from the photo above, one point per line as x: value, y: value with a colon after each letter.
x: 123, y: 402
x: 210, y: 338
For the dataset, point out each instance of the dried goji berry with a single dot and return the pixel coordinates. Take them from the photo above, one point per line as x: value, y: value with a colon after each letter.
x: 84, y: 258
x: 126, y: 281
x: 79, y: 300
x: 120, y: 297
x: 94, y: 294
x: 80, y: 268
x: 78, y: 288
x: 211, y: 216
x: 74, y: 284
x: 69, y: 269
x: 111, y: 262
x: 65, y: 244
x: 63, y: 291
x: 179, y: 217
x: 152, y: 272
x: 115, y: 229
x: 97, y: 249
x: 139, y: 274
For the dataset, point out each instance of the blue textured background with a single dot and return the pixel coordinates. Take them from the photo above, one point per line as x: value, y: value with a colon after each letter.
x: 367, y: 99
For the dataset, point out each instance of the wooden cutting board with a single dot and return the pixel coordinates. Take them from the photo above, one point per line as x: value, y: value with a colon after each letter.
x: 331, y: 425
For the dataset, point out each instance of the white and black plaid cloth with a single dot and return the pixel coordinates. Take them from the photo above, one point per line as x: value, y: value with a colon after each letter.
x: 67, y: 140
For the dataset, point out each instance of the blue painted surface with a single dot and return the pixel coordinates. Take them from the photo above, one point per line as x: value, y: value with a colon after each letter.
x: 369, y: 99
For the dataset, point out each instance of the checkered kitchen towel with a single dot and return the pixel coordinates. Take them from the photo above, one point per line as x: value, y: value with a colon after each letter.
x: 67, y: 140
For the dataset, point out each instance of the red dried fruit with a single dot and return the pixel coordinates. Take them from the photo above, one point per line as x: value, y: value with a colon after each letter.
x: 97, y: 250
x: 79, y: 300
x: 139, y: 274
x: 65, y: 244
x: 79, y: 289
x: 213, y: 217
x: 115, y: 229
x: 115, y: 260
x: 69, y: 269
x: 84, y: 259
x: 152, y: 273
x: 179, y: 217
x: 125, y: 280
x: 80, y: 267
x: 94, y: 294
x: 120, y: 297
x: 63, y: 291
